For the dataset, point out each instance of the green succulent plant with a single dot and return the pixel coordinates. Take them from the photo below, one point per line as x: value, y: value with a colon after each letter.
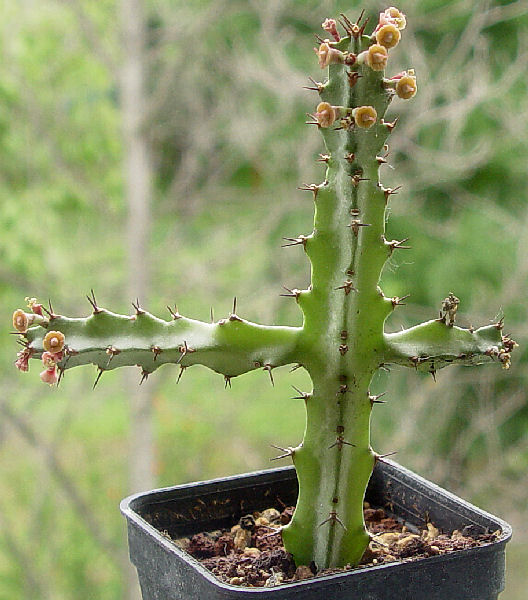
x: 342, y: 341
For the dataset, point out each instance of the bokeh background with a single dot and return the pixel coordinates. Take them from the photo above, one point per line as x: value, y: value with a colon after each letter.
x: 152, y: 149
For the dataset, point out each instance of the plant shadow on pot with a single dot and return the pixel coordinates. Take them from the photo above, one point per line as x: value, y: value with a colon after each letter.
x: 167, y: 572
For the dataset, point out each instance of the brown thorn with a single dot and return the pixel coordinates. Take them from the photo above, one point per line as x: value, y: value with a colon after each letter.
x: 343, y: 349
x: 353, y: 77
x: 111, y: 351
x: 350, y: 157
x: 144, y: 376
x: 313, y: 187
x: 358, y: 21
x: 156, y: 350
x: 390, y: 126
x: 268, y: 367
x: 184, y: 349
x: 376, y: 399
x: 287, y: 452
x: 137, y: 307
x: 91, y: 299
x: 291, y: 293
x: 340, y: 442
x: 333, y: 518
x: 356, y: 178
x: 212, y: 315
x: 233, y: 316
x: 396, y: 301
x: 348, y: 26
x: 182, y: 369
x: 175, y: 315
x: 101, y: 371
x: 319, y: 38
x: 386, y: 455
x: 50, y: 314
x: 344, y: 26
x: 355, y: 224
x: 301, y: 240
x: 318, y: 87
x: 227, y: 381
x: 295, y: 367
x: 323, y: 158
x: 361, y: 30
x: 301, y: 396
x: 61, y: 375
x: 348, y: 286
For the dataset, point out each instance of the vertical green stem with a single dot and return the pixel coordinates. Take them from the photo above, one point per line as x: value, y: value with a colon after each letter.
x: 343, y: 329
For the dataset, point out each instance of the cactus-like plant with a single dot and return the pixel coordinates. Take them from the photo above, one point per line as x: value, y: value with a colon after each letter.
x: 342, y: 341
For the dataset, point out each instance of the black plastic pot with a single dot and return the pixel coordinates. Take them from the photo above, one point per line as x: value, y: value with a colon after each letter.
x: 168, y: 573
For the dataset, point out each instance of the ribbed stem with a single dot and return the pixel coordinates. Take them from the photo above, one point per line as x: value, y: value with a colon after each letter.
x: 344, y: 315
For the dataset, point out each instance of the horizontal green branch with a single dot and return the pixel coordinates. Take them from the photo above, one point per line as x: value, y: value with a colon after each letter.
x: 433, y: 345
x: 231, y: 346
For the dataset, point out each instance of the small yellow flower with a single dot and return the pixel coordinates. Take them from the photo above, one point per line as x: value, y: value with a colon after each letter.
x: 365, y: 116
x: 326, y: 114
x: 406, y: 87
x: 388, y: 35
x: 376, y: 57
x: 53, y: 342
x: 21, y: 320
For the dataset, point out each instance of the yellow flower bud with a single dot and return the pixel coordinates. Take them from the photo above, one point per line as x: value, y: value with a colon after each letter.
x: 406, y: 87
x: 53, y: 342
x: 388, y: 35
x: 326, y: 114
x: 376, y: 57
x: 365, y: 116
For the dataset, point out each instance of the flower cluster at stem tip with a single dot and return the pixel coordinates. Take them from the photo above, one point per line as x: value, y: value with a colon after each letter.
x: 53, y: 342
x: 386, y: 35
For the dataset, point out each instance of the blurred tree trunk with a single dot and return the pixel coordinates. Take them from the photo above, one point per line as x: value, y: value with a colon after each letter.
x: 138, y: 188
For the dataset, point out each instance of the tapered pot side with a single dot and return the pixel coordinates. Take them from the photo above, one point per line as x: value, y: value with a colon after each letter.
x: 167, y: 572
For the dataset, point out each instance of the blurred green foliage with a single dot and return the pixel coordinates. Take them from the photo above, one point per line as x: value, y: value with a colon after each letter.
x: 225, y: 124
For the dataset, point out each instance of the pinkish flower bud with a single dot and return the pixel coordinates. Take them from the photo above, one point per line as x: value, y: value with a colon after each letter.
x: 328, y: 55
x: 35, y: 306
x: 388, y: 35
x: 365, y: 116
x: 326, y: 114
x: 22, y: 361
x: 53, y: 342
x: 49, y: 360
x: 330, y: 26
x: 50, y: 375
x: 393, y: 15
